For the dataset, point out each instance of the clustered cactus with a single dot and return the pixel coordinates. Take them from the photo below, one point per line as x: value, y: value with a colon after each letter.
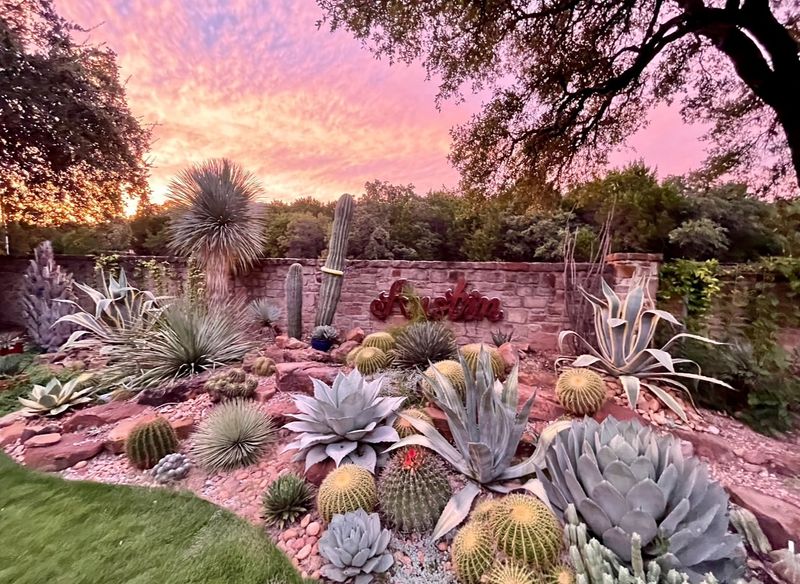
x: 355, y: 547
x: 347, y: 488
x: 294, y: 301
x: 581, y: 391
x: 43, y: 303
x: 264, y: 367
x: 173, y: 467
x: 231, y: 384
x: 371, y: 360
x: 286, y: 499
x: 149, y: 442
x: 472, y: 353
x: 380, y: 340
x: 413, y: 490
x: 333, y: 272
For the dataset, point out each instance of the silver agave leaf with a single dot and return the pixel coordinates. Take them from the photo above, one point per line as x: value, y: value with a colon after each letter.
x: 343, y: 421
x: 56, y: 397
x: 355, y: 546
x: 623, y: 479
x: 625, y: 331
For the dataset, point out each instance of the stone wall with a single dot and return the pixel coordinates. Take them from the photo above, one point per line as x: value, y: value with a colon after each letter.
x: 531, y: 294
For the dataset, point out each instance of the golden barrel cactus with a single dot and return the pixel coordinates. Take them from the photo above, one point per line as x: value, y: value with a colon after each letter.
x: 348, y: 488
x: 581, y: 391
x: 472, y: 551
x: 527, y: 531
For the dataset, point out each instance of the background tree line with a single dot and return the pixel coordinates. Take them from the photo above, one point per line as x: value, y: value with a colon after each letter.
x: 679, y: 217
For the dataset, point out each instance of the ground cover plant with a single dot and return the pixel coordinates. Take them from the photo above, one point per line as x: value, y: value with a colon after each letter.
x: 65, y: 532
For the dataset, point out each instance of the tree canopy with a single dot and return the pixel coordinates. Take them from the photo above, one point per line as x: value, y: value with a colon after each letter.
x: 70, y: 149
x: 571, y: 79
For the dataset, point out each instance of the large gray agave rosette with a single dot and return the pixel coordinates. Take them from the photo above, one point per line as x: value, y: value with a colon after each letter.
x: 344, y: 421
x: 625, y: 479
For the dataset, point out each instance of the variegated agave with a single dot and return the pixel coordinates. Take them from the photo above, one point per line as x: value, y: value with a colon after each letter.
x: 57, y: 397
x: 121, y: 312
x: 486, y: 429
x: 344, y: 422
x: 624, y: 332
x: 624, y: 479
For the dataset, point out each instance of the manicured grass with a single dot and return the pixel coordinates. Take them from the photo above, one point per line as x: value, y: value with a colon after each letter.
x: 70, y: 532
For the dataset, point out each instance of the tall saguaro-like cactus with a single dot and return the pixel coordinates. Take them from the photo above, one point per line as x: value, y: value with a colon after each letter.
x: 294, y: 301
x: 333, y: 270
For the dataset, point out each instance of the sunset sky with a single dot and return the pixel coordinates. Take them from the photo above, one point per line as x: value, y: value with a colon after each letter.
x: 310, y: 111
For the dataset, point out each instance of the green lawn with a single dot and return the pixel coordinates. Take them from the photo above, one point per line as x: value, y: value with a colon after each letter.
x: 67, y: 532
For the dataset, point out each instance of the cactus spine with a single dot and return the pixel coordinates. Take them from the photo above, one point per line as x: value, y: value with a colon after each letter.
x: 334, y: 264
x: 511, y: 573
x: 45, y: 283
x: 149, y: 442
x: 472, y: 551
x: 294, y: 301
x: 527, y: 530
x: 348, y: 488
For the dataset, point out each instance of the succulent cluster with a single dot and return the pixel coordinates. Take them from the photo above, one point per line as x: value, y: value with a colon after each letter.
x: 355, y: 547
x: 380, y: 340
x: 149, y: 442
x: 472, y: 551
x: 450, y: 370
x: 344, y: 422
x: 413, y: 490
x: 624, y: 479
x: 173, y: 467
x: 263, y: 366
x: 527, y: 531
x: 347, y: 488
x: 286, y: 499
x: 422, y: 343
x: 56, y: 397
x: 472, y: 352
x: 371, y: 360
x: 234, y: 435
x: 404, y: 427
x: 581, y: 391
x: 231, y: 384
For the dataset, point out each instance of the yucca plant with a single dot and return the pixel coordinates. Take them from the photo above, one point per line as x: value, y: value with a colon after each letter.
x: 423, y: 343
x: 486, y: 429
x: 625, y: 332
x: 121, y: 312
x: 287, y: 498
x: 264, y: 312
x: 56, y: 397
x: 217, y: 220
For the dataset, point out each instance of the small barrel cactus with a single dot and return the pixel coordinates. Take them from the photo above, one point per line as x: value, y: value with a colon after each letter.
x: 511, y: 573
x: 413, y: 490
x: 527, y: 531
x: 559, y: 574
x: 351, y: 356
x: 484, y: 511
x: 581, y: 391
x: 231, y: 384
x: 472, y: 551
x: 294, y: 301
x: 371, y: 360
x: 286, y: 499
x: 264, y: 367
x: 347, y: 488
x: 149, y: 442
x: 173, y: 467
x: 381, y: 340
x: 471, y: 354
x: 355, y: 547
x: 404, y: 427
x: 450, y: 370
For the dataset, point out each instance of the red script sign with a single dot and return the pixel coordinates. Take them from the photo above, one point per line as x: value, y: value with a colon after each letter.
x: 456, y: 304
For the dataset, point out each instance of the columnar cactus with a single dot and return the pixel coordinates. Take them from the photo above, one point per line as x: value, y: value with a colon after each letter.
x: 334, y: 264
x: 45, y: 286
x: 149, y: 442
x: 294, y: 301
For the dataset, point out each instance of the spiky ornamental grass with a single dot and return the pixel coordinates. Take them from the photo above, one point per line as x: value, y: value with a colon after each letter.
x: 217, y: 220
x: 234, y: 435
x: 264, y: 312
x: 422, y: 343
x: 286, y: 499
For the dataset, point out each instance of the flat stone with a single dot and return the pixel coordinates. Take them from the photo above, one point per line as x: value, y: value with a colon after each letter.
x: 264, y: 393
x: 183, y: 426
x: 707, y: 445
x: 177, y: 391
x: 9, y: 419
x: 755, y: 456
x: 339, y: 354
x: 356, y: 335
x: 71, y: 449
x: 296, y: 377
x: 42, y: 440
x: 786, y: 464
x: 11, y: 433
x: 313, y: 528
x: 306, y: 354
x: 101, y: 415
x: 36, y: 429
x: 285, y: 342
x: 304, y: 552
x: 779, y: 519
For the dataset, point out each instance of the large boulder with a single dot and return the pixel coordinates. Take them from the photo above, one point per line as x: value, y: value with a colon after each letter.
x: 285, y: 342
x: 779, y: 519
x: 509, y: 354
x: 108, y: 413
x: 340, y: 353
x: 71, y: 449
x: 176, y: 391
x: 356, y: 335
x: 707, y: 445
x: 296, y: 377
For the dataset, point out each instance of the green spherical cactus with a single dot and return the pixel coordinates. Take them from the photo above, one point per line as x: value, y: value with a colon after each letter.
x: 484, y: 510
x: 581, y: 391
x: 472, y: 352
x: 264, y: 367
x: 382, y: 340
x: 450, y: 370
x: 294, y: 301
x: 231, y: 384
x: 333, y: 272
x: 413, y: 490
x: 404, y: 428
x: 370, y: 360
x: 351, y: 356
x: 149, y: 442
x: 511, y: 573
x: 472, y: 551
x: 559, y: 574
x: 348, y: 488
x: 527, y: 531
